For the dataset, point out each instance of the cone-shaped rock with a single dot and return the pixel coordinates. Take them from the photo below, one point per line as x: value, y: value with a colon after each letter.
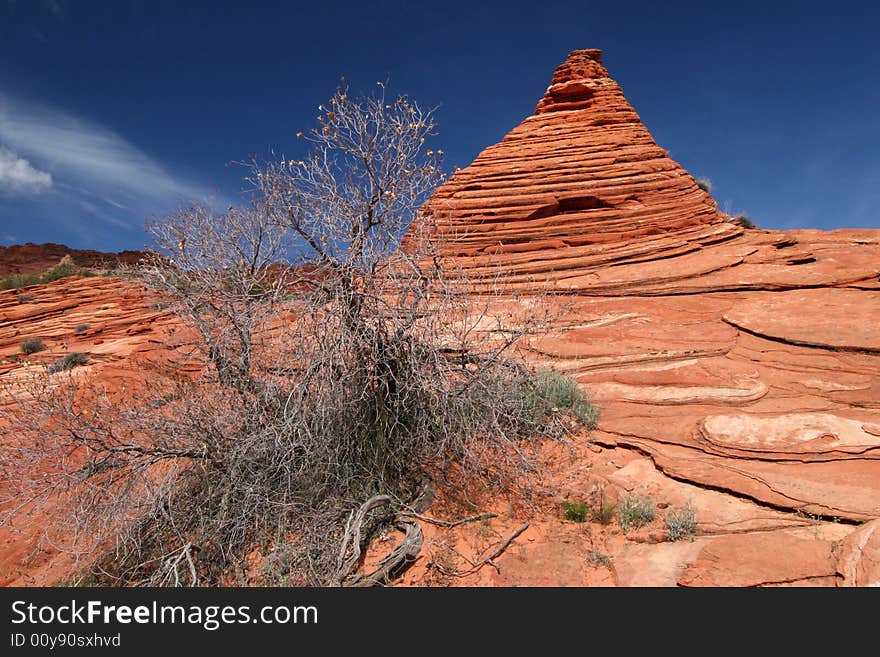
x: 580, y: 183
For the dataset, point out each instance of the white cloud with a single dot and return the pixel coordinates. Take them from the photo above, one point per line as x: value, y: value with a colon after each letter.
x: 86, y: 162
x: 17, y: 174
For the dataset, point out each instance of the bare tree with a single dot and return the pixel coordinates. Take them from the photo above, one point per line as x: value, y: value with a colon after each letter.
x: 327, y: 371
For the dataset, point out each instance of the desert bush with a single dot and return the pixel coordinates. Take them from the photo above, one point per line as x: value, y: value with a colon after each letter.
x: 16, y: 281
x: 65, y: 267
x: 81, y: 328
x: 681, y: 523
x: 334, y: 368
x: 744, y: 221
x: 68, y: 362
x: 634, y: 512
x: 553, y: 392
x: 705, y: 184
x: 575, y: 511
x: 30, y: 346
x: 25, y: 298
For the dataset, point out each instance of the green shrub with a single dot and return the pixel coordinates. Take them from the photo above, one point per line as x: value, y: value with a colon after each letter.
x: 744, y: 221
x: 31, y: 346
x: 552, y: 392
x: 575, y: 511
x: 681, y: 523
x: 604, y: 512
x: 634, y: 512
x: 69, y: 361
x: 66, y: 267
x: 16, y: 281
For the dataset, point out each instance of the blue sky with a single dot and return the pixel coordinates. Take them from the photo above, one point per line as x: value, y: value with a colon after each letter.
x: 112, y: 112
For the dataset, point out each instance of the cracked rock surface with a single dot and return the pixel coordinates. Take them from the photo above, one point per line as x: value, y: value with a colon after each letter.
x: 737, y: 370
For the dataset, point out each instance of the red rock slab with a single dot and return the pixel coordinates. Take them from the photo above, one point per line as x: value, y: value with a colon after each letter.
x: 798, y: 433
x: 609, y: 333
x: 678, y: 395
x: 715, y: 512
x: 844, y: 488
x: 762, y: 559
x: 859, y: 560
x: 827, y: 318
x: 647, y: 565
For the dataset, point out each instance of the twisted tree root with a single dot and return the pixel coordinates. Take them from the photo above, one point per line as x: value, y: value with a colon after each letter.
x: 404, y: 555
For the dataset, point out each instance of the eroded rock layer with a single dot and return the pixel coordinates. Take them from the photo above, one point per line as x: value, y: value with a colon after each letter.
x: 579, y: 186
x: 737, y: 371
x: 737, y: 368
x: 120, y: 330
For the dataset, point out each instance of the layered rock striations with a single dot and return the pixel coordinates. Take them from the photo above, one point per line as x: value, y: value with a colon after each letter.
x: 121, y: 331
x: 732, y: 366
x: 577, y: 187
x: 737, y: 371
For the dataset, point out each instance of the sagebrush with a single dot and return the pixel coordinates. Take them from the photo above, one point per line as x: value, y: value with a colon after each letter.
x: 320, y: 366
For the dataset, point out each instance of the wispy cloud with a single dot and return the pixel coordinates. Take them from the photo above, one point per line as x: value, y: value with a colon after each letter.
x: 88, y: 166
x: 18, y: 175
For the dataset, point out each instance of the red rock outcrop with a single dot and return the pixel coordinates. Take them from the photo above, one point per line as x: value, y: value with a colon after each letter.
x: 577, y: 188
x: 737, y: 369
x: 116, y: 325
x: 36, y: 258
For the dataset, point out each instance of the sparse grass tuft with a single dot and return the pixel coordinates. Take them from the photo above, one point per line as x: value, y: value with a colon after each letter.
x: 554, y: 392
x: 681, y: 523
x: 604, y: 512
x: 575, y: 511
x: 68, y: 362
x: 634, y: 512
x: 705, y: 184
x: 31, y: 346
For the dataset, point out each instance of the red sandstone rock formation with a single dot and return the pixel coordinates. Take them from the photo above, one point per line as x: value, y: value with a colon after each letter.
x: 123, y: 328
x: 36, y: 258
x: 736, y: 370
x: 577, y: 187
